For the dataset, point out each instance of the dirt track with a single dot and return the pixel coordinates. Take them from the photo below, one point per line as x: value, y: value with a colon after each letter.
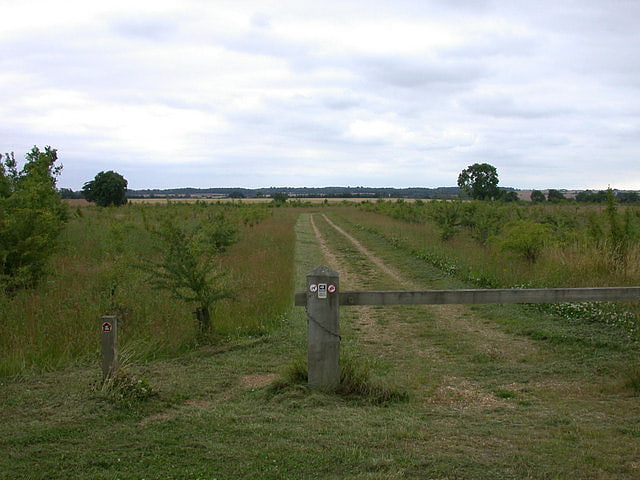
x: 386, y: 329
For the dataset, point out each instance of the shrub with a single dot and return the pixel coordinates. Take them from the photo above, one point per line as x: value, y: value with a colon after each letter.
x: 525, y: 238
x: 187, y: 267
x: 447, y: 215
x: 31, y: 217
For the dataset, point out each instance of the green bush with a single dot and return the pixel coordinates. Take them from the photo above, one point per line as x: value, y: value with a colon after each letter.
x: 187, y: 267
x: 524, y: 238
x: 31, y: 217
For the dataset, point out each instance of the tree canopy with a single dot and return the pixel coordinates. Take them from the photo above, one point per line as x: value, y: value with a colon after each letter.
x: 537, y: 196
x: 555, y: 196
x: 480, y: 181
x: 106, y: 189
x: 31, y: 216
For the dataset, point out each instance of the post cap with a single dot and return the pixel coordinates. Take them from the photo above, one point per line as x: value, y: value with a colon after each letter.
x: 322, y: 271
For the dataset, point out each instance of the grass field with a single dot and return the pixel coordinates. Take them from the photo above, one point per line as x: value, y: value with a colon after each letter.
x: 491, y: 392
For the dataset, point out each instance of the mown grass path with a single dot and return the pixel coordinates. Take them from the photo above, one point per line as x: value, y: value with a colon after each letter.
x: 496, y: 392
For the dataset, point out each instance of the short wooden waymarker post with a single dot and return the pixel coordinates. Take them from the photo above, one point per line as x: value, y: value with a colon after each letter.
x: 109, y: 334
x: 323, y: 328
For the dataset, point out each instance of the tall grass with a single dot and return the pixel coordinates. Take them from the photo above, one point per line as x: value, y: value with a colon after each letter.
x: 574, y: 257
x: 96, y: 272
x: 262, y: 269
x: 579, y: 248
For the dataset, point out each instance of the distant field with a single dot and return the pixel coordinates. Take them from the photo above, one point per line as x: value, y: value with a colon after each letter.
x: 249, y: 200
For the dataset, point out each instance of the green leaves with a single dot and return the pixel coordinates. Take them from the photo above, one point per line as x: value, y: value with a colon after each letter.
x: 480, y: 181
x: 31, y: 217
x: 186, y: 266
x: 106, y: 189
x: 525, y: 238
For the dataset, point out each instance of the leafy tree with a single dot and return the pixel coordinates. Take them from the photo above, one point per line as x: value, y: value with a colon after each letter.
x: 280, y: 199
x: 555, y: 196
x: 484, y: 219
x: 447, y: 215
x: 31, y: 216
x: 508, y: 196
x: 592, y: 197
x: 187, y: 267
x: 67, y: 193
x: 480, y: 181
x: 106, y: 189
x: 628, y: 197
x: 537, y: 196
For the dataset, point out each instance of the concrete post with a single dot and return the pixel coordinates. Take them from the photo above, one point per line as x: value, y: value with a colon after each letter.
x: 323, y: 328
x: 109, y: 334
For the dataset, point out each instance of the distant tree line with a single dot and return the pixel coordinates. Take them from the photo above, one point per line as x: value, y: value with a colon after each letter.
x: 478, y: 182
x: 586, y: 196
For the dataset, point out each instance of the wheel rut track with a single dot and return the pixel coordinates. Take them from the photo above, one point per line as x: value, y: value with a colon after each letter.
x: 398, y: 336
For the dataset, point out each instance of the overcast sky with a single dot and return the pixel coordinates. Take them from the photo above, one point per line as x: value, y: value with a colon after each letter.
x: 262, y: 93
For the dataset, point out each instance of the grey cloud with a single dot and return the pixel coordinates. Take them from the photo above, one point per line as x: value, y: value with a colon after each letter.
x: 154, y: 28
x: 497, y: 45
x: 414, y: 72
x: 342, y: 102
x: 260, y: 20
x: 507, y: 106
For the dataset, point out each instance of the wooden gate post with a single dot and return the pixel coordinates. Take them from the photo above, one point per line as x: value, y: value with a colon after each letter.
x: 109, y: 333
x: 323, y: 328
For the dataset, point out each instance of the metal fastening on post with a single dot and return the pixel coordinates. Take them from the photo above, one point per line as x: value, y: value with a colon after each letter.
x: 109, y: 334
x: 323, y: 328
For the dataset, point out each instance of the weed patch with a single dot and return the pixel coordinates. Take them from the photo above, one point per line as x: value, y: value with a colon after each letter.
x: 124, y: 390
x: 356, y: 381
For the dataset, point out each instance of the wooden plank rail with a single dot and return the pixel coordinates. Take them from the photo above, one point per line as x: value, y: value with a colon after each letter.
x: 482, y: 296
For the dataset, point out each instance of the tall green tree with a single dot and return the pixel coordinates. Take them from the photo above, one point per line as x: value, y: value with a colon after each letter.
x: 31, y: 216
x: 480, y: 181
x: 106, y: 189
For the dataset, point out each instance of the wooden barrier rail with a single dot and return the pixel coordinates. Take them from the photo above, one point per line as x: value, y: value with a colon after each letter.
x: 322, y: 300
x: 480, y: 296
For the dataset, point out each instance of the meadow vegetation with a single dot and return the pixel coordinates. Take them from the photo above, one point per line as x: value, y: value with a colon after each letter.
x: 499, y: 245
x: 134, y: 262
x: 473, y: 392
x: 556, y: 244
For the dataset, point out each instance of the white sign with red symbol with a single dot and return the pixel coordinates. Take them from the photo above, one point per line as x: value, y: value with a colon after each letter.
x: 322, y: 289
